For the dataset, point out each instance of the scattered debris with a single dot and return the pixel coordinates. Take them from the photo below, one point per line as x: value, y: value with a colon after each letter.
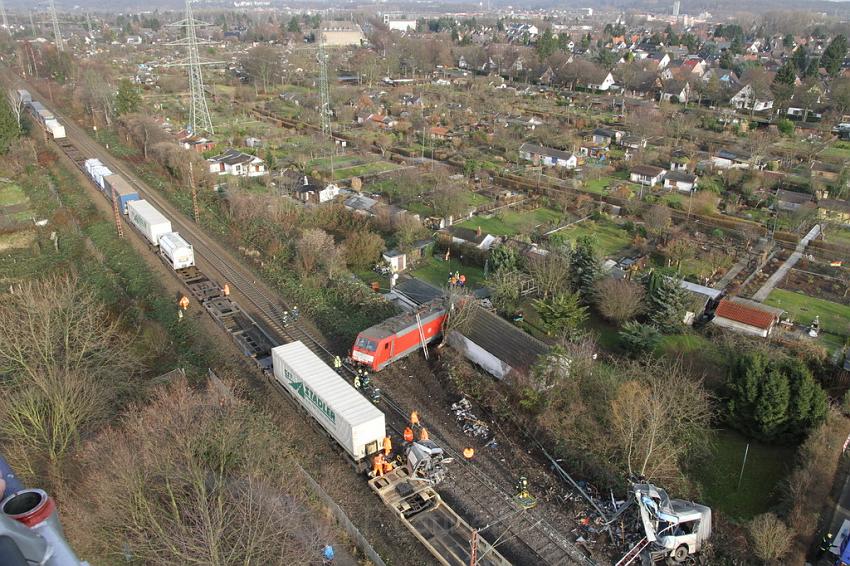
x: 470, y: 423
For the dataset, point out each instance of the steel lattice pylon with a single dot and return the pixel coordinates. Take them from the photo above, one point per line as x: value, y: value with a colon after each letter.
x: 325, y: 110
x: 199, y: 112
x: 57, y: 33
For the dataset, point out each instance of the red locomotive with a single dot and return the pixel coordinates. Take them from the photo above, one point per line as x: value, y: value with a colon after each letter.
x: 396, y: 337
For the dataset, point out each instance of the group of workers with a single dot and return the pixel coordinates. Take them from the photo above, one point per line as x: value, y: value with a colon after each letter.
x: 382, y: 462
x: 457, y: 279
x: 183, y: 303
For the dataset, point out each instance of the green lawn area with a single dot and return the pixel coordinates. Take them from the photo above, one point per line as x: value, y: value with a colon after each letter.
x: 610, y: 238
x: 836, y: 151
x: 436, y: 272
x: 510, y: 223
x: 834, y: 317
x: 684, y: 344
x: 766, y: 467
x: 11, y: 194
x: 838, y: 235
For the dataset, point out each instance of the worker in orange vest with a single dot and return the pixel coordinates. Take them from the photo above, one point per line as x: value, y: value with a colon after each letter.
x: 414, y: 419
x: 423, y: 434
x: 388, y: 445
x: 408, y: 434
x: 388, y: 467
x: 378, y: 465
x: 184, y: 302
x: 462, y: 280
x: 226, y: 290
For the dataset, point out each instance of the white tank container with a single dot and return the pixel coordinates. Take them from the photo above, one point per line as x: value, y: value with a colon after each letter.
x: 176, y: 251
x: 353, y: 421
x: 148, y: 220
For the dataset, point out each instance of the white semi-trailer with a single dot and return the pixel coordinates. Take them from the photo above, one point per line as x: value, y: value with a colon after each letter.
x: 353, y: 421
x: 176, y: 251
x: 148, y: 220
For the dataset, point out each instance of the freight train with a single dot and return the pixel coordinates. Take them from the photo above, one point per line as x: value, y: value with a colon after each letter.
x: 356, y: 425
x: 152, y: 224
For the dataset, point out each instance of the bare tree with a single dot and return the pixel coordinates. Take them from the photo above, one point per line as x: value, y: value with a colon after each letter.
x: 657, y: 417
x: 194, y: 478
x: 770, y: 537
x: 619, y: 300
x: 550, y: 272
x: 657, y: 219
x: 16, y: 104
x: 62, y: 353
x: 144, y: 131
x: 461, y: 307
x: 316, y: 251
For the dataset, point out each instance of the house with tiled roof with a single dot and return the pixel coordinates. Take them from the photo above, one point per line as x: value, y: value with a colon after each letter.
x: 746, y: 317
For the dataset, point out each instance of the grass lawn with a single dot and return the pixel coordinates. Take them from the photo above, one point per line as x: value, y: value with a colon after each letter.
x: 609, y: 237
x: 682, y: 344
x: 836, y: 151
x: 834, y: 317
x: 511, y: 223
x: 766, y: 467
x: 838, y: 235
x: 436, y: 272
x: 11, y: 194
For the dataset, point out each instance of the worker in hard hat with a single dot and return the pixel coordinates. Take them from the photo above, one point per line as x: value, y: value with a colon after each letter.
x: 462, y: 280
x: 423, y: 434
x: 414, y: 419
x: 179, y: 314
x: 226, y: 290
x: 408, y: 434
x: 184, y: 302
x: 378, y: 465
x: 337, y: 362
x: 468, y: 453
x: 388, y: 445
x: 357, y: 380
x: 388, y: 466
x: 825, y: 545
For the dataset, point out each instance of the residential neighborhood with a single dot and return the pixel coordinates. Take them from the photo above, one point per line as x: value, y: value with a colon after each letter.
x: 426, y: 283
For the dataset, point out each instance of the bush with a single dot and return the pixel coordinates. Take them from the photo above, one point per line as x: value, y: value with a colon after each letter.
x: 639, y: 338
x: 785, y: 126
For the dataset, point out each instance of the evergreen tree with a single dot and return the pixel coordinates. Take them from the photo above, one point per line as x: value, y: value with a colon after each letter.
x: 788, y: 41
x: 9, y: 129
x: 726, y: 60
x: 504, y: 258
x: 809, y: 402
x: 585, y: 269
x: 562, y: 315
x: 800, y: 59
x: 666, y: 300
x: 294, y: 26
x: 786, y: 75
x: 812, y: 69
x: 639, y: 338
x: 547, y: 44
x: 833, y: 56
x: 128, y: 98
x: 771, y: 408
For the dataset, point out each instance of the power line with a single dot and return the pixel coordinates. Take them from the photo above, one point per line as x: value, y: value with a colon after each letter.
x: 199, y: 113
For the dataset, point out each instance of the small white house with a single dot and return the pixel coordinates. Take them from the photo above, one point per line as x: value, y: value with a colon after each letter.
x: 540, y: 155
x: 681, y: 181
x: 648, y: 175
x: 396, y: 260
x: 747, y: 100
x: 602, y: 82
x: 237, y: 163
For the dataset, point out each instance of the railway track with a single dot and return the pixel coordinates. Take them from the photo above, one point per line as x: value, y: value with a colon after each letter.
x: 506, y: 517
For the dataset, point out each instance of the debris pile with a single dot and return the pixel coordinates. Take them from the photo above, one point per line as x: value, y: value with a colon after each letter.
x: 469, y: 422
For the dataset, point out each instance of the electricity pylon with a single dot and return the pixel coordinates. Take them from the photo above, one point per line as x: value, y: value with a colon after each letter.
x: 325, y: 110
x: 3, y: 15
x: 199, y: 114
x: 57, y: 33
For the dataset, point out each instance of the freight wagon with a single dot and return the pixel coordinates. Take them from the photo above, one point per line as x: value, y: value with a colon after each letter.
x: 398, y: 336
x: 97, y: 171
x: 176, y: 251
x: 116, y: 185
x: 148, y: 220
x: 24, y: 96
x: 353, y: 421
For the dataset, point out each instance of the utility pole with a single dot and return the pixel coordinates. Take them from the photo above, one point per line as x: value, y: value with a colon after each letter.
x: 199, y: 113
x: 57, y: 33
x: 195, y: 208
x: 3, y: 16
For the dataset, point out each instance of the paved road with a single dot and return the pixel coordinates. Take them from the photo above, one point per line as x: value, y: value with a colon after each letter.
x: 783, y: 270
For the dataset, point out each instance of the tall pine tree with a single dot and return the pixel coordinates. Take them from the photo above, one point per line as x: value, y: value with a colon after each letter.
x: 834, y: 54
x: 666, y: 301
x: 585, y: 269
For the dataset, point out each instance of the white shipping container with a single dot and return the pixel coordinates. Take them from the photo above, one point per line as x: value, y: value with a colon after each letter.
x: 56, y: 129
x: 90, y: 163
x: 353, y: 421
x: 177, y: 251
x: 97, y: 173
x: 24, y: 96
x: 150, y: 222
